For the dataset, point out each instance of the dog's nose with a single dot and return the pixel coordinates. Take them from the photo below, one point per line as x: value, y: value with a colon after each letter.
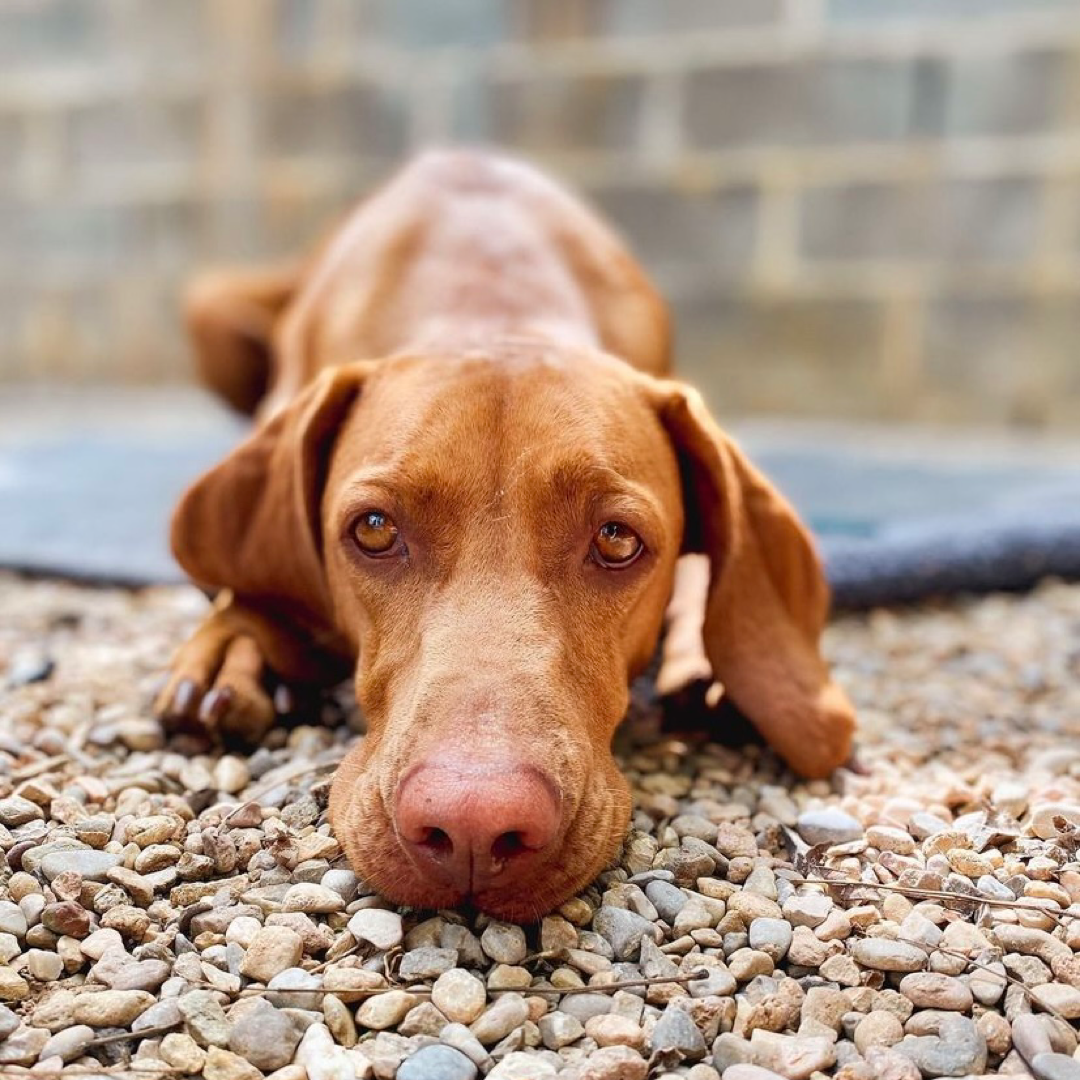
x: 479, y: 822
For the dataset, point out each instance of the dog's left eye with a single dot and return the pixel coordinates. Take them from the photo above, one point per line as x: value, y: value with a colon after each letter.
x: 375, y: 533
x: 616, y: 545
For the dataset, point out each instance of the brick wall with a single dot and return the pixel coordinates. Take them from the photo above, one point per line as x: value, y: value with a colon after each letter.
x: 859, y: 207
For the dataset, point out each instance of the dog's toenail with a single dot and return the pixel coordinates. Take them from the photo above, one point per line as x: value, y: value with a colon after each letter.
x: 185, y: 698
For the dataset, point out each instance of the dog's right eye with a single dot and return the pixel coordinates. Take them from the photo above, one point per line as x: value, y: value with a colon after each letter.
x: 376, y: 534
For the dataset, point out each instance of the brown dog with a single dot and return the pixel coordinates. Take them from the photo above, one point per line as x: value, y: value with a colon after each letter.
x: 470, y: 474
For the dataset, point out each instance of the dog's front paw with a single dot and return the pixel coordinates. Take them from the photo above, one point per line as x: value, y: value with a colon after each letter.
x: 218, y: 683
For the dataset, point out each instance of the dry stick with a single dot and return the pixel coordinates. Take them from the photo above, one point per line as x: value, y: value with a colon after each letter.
x: 420, y: 991
x: 39, y: 767
x: 1010, y: 979
x: 287, y: 776
x: 145, y: 1033
x: 941, y: 894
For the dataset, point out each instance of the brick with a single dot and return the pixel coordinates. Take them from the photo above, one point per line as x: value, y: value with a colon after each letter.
x: 168, y: 37
x: 419, y: 24
x: 1013, y: 94
x: 880, y: 11
x: 12, y: 148
x: 542, y: 20
x: 801, y: 103
x: 51, y: 32
x: 782, y: 354
x: 667, y: 228
x: 952, y: 220
x: 48, y: 237
x: 548, y: 114
x: 981, y: 358
x: 362, y: 119
x: 168, y: 235
x: 135, y: 132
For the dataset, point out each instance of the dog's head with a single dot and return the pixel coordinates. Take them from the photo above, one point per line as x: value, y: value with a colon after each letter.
x: 497, y: 538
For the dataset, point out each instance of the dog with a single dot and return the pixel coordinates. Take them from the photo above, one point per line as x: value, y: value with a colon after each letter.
x: 473, y: 480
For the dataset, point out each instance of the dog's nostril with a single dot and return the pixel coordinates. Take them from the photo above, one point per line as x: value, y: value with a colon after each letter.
x: 508, y: 845
x: 436, y: 841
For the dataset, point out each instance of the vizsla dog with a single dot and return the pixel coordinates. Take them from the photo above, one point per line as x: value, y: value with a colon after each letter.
x: 472, y: 478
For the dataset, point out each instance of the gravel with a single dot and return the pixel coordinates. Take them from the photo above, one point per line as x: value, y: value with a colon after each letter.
x: 197, y: 903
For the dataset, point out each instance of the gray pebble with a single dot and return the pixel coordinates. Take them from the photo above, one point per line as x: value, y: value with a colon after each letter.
x: 1055, y: 1067
x: 828, y: 826
x: 504, y: 943
x: 624, y: 930
x: 437, y: 1063
x: 92, y: 865
x: 265, y: 1036
x: 771, y: 936
x: 675, y: 1030
x: 668, y: 899
x: 885, y: 955
x: 427, y: 962
x: 957, y: 1050
x: 8, y: 1021
x: 69, y: 1043
x: 205, y: 1019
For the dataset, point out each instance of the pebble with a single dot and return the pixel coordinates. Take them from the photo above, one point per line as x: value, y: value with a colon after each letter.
x: 504, y: 943
x: 881, y: 954
x: 225, y: 1065
x: 558, y: 1029
x: 437, y: 1063
x: 205, y: 1019
x: 264, y: 1036
x: 500, y: 1018
x: 312, y: 899
x: 624, y: 930
x: 9, y: 1021
x: 110, y: 1008
x: 927, y: 990
x: 771, y: 936
x: 877, y: 1029
x: 613, y: 1063
x: 382, y: 929
x: 24, y: 1046
x: 958, y: 1049
x: 142, y: 870
x: 69, y: 1043
x: 1055, y: 1067
x: 182, y: 1052
x: 675, y: 1031
x: 828, y: 826
x: 384, y: 1011
x: 793, y: 1056
x: 272, y: 950
x: 459, y: 995
x: 87, y: 863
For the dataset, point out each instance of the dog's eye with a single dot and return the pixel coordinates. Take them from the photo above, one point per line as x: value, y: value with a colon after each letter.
x: 375, y: 533
x: 616, y: 545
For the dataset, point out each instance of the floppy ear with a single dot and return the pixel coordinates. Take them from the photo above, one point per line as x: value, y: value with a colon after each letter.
x: 252, y: 523
x: 767, y: 600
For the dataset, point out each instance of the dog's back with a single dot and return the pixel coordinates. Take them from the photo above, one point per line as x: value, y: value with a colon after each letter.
x: 456, y: 249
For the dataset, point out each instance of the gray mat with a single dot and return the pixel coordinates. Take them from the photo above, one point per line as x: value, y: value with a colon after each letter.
x: 86, y: 493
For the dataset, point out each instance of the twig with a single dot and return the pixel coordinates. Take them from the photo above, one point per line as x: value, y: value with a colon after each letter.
x: 424, y: 991
x: 38, y: 767
x: 941, y: 894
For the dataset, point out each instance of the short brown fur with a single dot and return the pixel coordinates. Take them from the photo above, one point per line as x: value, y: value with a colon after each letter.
x: 474, y: 353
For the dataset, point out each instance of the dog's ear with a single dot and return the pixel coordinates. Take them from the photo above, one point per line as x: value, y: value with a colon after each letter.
x: 767, y: 600
x: 252, y: 523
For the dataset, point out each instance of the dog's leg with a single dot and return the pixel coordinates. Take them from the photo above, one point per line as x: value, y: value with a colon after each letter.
x: 230, y: 315
x: 222, y: 678
x: 683, y: 661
